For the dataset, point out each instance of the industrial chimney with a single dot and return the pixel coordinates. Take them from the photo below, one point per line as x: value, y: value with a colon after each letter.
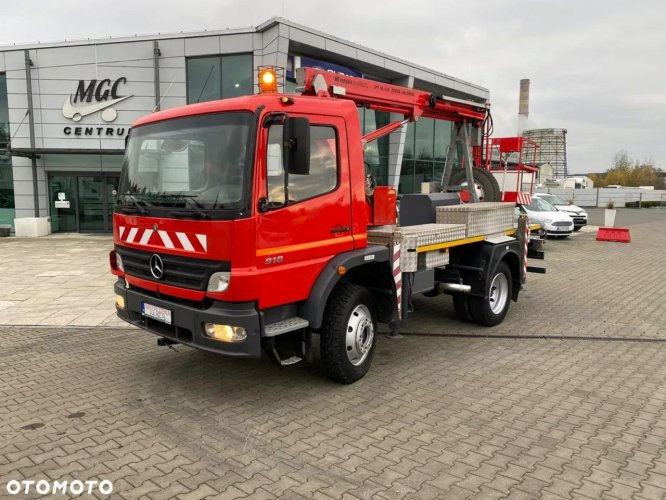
x: 523, y: 105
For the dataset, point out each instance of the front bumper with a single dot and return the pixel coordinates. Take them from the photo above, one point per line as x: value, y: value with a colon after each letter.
x: 187, y: 322
x: 579, y: 221
x: 552, y: 230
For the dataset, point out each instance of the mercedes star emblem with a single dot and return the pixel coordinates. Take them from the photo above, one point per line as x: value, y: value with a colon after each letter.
x: 156, y: 266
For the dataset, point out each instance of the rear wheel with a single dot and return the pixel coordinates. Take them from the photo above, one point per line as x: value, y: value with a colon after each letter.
x: 485, y: 184
x: 491, y: 311
x: 461, y: 304
x: 348, y: 334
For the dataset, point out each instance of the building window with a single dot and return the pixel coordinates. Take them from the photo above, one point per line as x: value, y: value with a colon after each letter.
x: 7, y: 212
x: 218, y: 77
x: 376, y: 153
x: 426, y: 145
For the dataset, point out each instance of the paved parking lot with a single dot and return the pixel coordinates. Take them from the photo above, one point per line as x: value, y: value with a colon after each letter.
x: 566, y: 399
x: 591, y: 288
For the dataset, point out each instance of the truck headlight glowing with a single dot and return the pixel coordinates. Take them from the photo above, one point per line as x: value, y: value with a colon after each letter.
x: 120, y: 301
x: 225, y: 333
x: 219, y: 282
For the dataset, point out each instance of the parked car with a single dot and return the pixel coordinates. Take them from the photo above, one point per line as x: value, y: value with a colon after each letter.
x: 577, y: 214
x: 534, y: 234
x: 554, y: 222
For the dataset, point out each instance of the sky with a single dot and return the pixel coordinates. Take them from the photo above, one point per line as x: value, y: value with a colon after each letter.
x: 596, y: 68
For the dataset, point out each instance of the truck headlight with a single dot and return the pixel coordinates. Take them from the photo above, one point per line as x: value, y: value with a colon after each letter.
x: 119, y: 262
x: 120, y: 301
x: 219, y: 282
x: 225, y: 333
x: 116, y: 262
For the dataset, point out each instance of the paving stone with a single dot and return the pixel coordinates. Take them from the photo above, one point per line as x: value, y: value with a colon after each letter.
x: 436, y: 417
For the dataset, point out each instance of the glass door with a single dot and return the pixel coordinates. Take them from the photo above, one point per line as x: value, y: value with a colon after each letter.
x: 91, y: 204
x: 62, y: 194
x: 82, y: 203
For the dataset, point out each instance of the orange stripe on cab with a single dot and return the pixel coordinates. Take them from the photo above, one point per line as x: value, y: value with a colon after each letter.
x: 304, y: 246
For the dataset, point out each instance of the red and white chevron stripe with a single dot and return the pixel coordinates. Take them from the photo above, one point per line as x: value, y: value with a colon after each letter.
x: 397, y: 277
x: 524, y: 198
x: 167, y: 239
x: 527, y: 243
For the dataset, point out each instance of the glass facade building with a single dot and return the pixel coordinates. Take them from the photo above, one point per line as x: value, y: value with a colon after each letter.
x: 219, y: 77
x: 86, y: 95
x: 426, y: 145
x: 6, y: 177
x: 376, y: 153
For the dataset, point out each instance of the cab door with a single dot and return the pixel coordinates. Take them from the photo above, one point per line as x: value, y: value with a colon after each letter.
x: 307, y: 218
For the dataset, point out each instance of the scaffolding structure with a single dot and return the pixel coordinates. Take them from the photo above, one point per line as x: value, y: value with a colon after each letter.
x: 552, y: 148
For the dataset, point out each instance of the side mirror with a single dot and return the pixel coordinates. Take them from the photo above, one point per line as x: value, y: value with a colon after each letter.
x: 127, y: 137
x: 296, y: 145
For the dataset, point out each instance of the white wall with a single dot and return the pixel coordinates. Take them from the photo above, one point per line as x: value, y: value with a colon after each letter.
x: 600, y: 197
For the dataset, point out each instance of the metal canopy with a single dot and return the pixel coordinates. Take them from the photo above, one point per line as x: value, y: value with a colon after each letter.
x: 35, y: 152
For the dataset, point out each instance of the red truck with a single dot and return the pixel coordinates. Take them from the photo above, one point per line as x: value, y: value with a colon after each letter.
x: 249, y: 224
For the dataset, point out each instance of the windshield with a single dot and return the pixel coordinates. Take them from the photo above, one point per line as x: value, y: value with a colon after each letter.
x: 540, y: 205
x: 555, y: 200
x: 196, y: 163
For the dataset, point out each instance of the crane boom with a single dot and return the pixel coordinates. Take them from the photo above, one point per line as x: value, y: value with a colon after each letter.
x: 381, y: 96
x: 411, y: 103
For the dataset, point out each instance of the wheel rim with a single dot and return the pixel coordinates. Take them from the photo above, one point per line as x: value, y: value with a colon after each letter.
x: 360, y: 334
x: 480, y: 194
x: 499, y: 293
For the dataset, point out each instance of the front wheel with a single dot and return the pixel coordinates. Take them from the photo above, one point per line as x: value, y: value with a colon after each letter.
x: 491, y: 310
x: 348, y: 334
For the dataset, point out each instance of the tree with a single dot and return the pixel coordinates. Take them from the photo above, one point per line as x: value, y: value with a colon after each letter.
x: 629, y: 172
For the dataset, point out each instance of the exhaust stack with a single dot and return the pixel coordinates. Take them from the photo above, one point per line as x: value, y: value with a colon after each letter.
x: 523, y: 105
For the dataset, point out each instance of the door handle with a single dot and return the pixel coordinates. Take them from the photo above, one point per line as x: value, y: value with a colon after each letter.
x: 340, y: 229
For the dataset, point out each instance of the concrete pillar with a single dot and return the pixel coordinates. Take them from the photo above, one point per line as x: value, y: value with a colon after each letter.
x: 23, y: 188
x: 271, y: 48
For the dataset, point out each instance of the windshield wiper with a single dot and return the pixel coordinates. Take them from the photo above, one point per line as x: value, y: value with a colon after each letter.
x: 137, y: 206
x: 190, y: 201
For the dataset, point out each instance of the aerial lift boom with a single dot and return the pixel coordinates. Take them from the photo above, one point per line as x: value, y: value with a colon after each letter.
x: 411, y: 103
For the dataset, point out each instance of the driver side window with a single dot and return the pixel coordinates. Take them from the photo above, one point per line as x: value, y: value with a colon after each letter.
x: 274, y: 167
x: 323, y: 176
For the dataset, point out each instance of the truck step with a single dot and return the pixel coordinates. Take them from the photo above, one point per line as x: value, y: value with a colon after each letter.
x: 285, y: 326
x: 290, y: 361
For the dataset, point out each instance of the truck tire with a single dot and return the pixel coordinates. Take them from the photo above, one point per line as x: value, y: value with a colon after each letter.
x: 485, y: 183
x: 348, y: 334
x: 461, y: 304
x: 491, y: 311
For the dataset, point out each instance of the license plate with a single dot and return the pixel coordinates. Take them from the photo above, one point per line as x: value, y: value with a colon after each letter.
x: 158, y: 313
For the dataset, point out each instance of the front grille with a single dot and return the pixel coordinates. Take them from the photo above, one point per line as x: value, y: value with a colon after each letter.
x: 562, y: 223
x: 580, y: 220
x: 184, y: 272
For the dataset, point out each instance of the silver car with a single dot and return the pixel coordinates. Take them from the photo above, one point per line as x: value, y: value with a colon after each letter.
x: 577, y: 214
x: 555, y: 222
